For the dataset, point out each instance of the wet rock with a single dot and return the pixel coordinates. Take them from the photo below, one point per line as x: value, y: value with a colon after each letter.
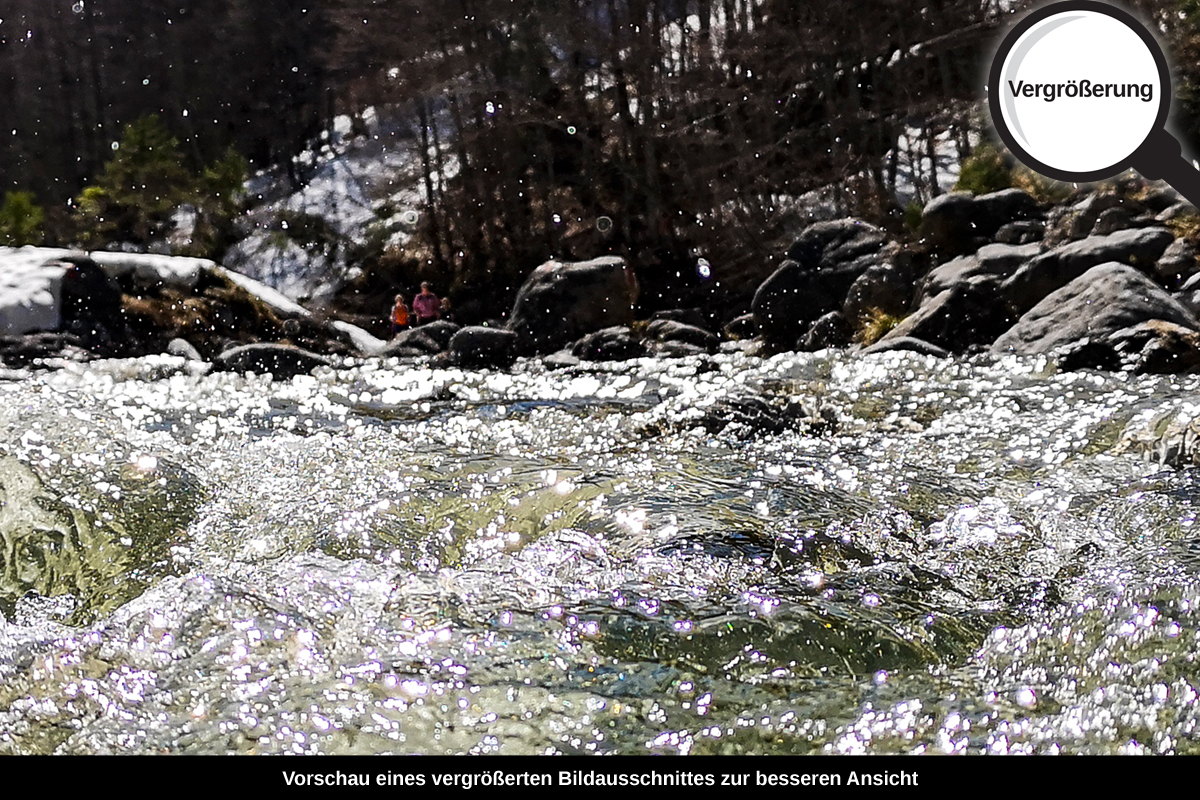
x: 882, y: 288
x: 480, y: 346
x: 1021, y: 232
x: 184, y: 349
x: 665, y: 330
x: 908, y: 343
x: 1088, y: 353
x: 21, y: 351
x: 413, y: 339
x: 1111, y: 221
x: 1171, y: 439
x: 610, y: 344
x: 966, y: 314
x: 822, y: 265
x: 831, y: 330
x: 282, y: 361
x: 999, y: 260
x: 1158, y: 348
x: 743, y: 327
x: 440, y: 331
x: 1105, y: 299
x: 1177, y: 265
x: 563, y: 359
x: 677, y: 350
x: 959, y: 222
x: 688, y: 316
x: 560, y: 302
x: 750, y: 415
x: 91, y: 309
x: 1058, y: 267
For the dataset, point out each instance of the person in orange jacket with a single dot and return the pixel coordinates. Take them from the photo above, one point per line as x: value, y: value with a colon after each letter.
x: 399, y: 315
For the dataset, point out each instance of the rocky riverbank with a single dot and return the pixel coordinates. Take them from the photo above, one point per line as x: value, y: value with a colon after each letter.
x: 1105, y: 279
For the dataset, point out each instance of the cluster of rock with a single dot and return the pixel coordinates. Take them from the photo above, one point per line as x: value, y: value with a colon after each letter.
x: 117, y: 305
x: 59, y: 302
x: 1102, y: 281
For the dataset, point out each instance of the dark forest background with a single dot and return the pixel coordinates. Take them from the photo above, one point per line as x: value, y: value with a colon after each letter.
x: 681, y: 121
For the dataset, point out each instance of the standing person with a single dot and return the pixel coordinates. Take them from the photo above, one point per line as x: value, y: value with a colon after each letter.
x: 399, y: 315
x: 426, y: 306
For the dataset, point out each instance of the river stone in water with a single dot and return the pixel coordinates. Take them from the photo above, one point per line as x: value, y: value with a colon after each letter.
x: 665, y: 330
x: 821, y: 266
x: 831, y: 330
x: 440, y: 332
x: 413, y: 339
x: 611, y: 344
x: 1102, y: 301
x: 282, y: 361
x: 480, y: 346
x: 559, y: 302
x: 966, y: 314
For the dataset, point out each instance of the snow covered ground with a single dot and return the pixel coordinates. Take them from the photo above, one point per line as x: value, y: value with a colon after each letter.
x: 31, y: 287
x: 363, y: 182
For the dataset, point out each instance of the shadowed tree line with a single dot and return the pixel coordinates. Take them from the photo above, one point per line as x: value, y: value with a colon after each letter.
x: 690, y: 125
x: 666, y: 130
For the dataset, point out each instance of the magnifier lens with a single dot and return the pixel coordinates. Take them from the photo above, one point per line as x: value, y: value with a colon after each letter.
x: 1080, y: 91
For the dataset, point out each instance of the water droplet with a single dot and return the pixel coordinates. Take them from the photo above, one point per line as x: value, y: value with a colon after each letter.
x: 571, y: 129
x: 78, y: 7
x: 115, y: 145
x: 703, y: 268
x: 604, y: 224
x: 410, y: 217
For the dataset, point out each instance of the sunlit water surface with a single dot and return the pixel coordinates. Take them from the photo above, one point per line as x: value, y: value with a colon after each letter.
x: 804, y: 554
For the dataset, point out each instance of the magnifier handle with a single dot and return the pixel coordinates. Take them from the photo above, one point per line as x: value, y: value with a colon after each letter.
x: 1159, y: 158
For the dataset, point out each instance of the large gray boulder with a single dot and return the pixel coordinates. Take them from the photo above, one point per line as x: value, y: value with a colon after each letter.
x: 30, y: 290
x: 440, y: 331
x: 560, y: 302
x: 1000, y: 260
x: 282, y: 361
x: 1177, y: 265
x: 822, y: 265
x: 1058, y: 267
x: 1104, y: 300
x: 882, y: 288
x: 417, y: 339
x: 964, y: 315
x: 609, y: 344
x: 957, y: 222
x: 480, y: 346
x: 668, y: 330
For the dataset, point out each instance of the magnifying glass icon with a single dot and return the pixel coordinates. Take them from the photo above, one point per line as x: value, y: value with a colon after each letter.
x: 1079, y: 91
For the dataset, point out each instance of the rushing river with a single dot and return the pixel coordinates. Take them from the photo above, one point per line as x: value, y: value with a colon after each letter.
x: 802, y: 554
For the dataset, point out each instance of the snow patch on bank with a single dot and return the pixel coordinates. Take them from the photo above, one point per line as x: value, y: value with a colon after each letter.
x: 362, y: 186
x: 31, y: 281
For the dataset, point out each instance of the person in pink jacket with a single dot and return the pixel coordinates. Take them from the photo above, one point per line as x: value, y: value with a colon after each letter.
x: 426, y: 306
